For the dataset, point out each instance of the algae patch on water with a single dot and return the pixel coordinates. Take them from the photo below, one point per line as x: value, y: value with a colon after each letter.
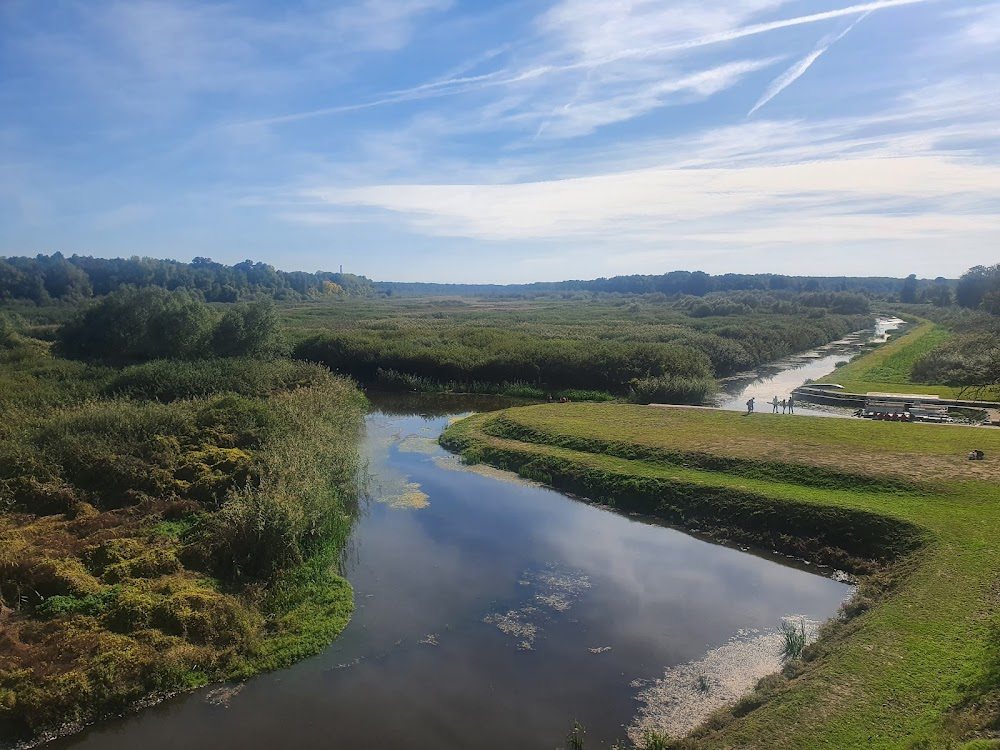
x: 417, y: 444
x: 409, y: 495
x: 554, y: 590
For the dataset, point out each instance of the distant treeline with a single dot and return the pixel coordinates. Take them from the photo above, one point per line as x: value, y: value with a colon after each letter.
x: 47, y: 278
x: 693, y: 283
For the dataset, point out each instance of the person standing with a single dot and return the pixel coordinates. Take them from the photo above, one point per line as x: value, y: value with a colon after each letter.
x: 774, y: 405
x: 791, y: 404
x: 750, y: 405
x: 784, y: 405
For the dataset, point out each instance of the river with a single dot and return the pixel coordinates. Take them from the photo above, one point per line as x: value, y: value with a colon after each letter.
x: 782, y: 377
x: 491, y: 613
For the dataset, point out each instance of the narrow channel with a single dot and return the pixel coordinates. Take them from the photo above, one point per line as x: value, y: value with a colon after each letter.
x: 493, y: 613
x: 782, y: 377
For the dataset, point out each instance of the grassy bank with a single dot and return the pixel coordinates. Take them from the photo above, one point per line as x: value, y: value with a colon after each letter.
x: 888, y: 368
x: 912, y: 662
x: 164, y: 526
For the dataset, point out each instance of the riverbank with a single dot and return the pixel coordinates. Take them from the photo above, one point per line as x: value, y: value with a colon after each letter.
x: 888, y: 367
x: 912, y: 659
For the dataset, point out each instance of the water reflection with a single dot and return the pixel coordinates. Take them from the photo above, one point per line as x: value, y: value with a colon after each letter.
x: 491, y: 617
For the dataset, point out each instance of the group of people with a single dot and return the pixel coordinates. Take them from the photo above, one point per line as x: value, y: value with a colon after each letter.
x: 895, y: 416
x: 787, y: 405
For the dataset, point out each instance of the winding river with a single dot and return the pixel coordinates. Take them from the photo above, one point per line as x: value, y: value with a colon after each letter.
x: 492, y: 613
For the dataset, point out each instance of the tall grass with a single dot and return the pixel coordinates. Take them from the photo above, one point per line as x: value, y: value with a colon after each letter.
x: 170, y: 380
x: 672, y: 390
x: 574, y: 740
x: 794, y: 639
x: 307, y: 491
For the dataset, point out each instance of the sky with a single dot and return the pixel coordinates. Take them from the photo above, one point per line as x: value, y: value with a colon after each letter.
x: 506, y: 142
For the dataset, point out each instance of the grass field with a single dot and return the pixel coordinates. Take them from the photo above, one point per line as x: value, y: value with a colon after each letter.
x: 888, y: 368
x: 913, y: 661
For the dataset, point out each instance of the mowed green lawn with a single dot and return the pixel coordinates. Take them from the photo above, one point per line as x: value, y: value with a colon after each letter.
x: 921, y: 668
x: 887, y: 369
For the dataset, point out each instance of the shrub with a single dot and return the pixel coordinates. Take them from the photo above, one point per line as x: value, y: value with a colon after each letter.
x: 170, y: 380
x: 8, y: 333
x: 671, y: 390
x: 134, y: 325
x: 576, y: 394
x: 249, y: 330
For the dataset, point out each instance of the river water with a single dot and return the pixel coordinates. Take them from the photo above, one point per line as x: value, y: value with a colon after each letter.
x: 490, y: 614
x: 782, y: 377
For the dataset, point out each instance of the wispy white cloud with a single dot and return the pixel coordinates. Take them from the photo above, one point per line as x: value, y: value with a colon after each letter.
x: 586, y: 116
x: 796, y: 71
x: 584, y: 36
x: 568, y: 130
x: 157, y: 54
x: 921, y: 171
x: 981, y: 27
x: 623, y: 203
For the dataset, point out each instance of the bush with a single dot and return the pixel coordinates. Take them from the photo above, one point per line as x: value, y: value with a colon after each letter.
x: 134, y: 325
x: 8, y: 333
x: 962, y: 360
x: 672, y: 390
x: 170, y: 380
x: 249, y: 330
x: 576, y: 394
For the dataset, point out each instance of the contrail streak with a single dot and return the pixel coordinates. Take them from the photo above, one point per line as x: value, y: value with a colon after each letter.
x: 503, y: 77
x: 791, y: 75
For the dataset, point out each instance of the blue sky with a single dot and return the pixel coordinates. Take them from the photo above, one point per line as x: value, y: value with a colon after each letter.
x: 442, y: 140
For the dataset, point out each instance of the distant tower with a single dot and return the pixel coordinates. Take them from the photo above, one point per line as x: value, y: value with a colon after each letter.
x: 341, y: 267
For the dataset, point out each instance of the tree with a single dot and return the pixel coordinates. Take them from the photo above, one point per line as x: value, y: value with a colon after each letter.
x: 909, y: 291
x: 136, y: 325
x: 698, y: 284
x: 976, y: 284
x: 248, y: 330
x: 939, y: 294
x: 985, y: 380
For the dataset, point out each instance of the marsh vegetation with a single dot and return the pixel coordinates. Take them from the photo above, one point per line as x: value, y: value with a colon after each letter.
x: 167, y: 523
x: 642, y: 349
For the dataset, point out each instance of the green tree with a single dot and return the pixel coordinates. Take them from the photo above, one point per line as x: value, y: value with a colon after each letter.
x: 909, y: 291
x: 135, y: 325
x: 976, y: 284
x: 248, y: 330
